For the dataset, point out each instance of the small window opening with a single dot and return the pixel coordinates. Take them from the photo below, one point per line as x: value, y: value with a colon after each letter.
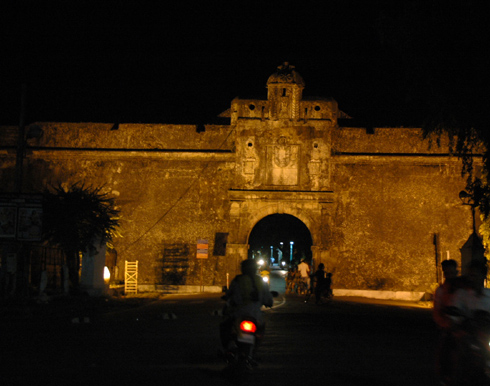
x: 317, y: 108
x: 220, y: 241
x: 283, y: 92
x: 251, y: 107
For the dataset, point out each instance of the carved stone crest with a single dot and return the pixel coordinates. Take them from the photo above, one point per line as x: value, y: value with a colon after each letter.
x: 282, y: 153
x: 283, y: 163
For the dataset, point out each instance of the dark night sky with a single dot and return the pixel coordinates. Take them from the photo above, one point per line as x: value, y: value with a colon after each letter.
x: 385, y: 62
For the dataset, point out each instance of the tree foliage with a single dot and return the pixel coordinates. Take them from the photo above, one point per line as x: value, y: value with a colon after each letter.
x: 75, y: 218
x: 441, y: 50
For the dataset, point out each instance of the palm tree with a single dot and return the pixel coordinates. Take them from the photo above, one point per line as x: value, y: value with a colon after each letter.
x: 74, y: 218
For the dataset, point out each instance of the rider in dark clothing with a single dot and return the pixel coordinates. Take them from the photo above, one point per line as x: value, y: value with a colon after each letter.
x: 320, y: 282
x: 328, y: 284
x: 246, y: 296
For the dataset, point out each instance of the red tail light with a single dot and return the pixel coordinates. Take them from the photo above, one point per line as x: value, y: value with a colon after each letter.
x: 248, y: 326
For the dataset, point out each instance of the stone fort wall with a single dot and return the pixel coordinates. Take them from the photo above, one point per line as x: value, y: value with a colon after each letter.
x: 381, y: 204
x: 391, y: 194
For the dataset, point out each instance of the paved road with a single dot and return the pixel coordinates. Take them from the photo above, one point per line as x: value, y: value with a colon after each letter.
x: 173, y: 341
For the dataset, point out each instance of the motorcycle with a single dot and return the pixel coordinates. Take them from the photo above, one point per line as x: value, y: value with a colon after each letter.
x: 265, y: 274
x: 245, y: 334
x: 471, y: 348
x: 240, y: 357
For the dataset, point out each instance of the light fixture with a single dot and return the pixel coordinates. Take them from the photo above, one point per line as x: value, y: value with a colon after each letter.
x: 107, y: 275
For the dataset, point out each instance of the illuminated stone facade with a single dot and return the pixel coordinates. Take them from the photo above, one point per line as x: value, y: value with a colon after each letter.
x: 373, y: 200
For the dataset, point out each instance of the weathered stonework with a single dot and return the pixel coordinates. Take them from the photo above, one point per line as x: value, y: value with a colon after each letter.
x: 372, y: 201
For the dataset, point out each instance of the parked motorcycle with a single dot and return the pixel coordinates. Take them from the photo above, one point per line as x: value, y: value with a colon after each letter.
x: 471, y: 349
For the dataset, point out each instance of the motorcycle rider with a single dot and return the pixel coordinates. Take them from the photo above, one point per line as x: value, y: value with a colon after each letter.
x: 265, y: 271
x: 245, y: 297
x: 444, y: 293
x: 474, y: 296
x: 443, y: 297
x: 471, y: 301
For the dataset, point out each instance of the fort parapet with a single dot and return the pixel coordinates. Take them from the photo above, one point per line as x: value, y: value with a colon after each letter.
x: 374, y: 200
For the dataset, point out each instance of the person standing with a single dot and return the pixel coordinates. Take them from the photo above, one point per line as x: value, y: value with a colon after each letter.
x: 328, y: 285
x: 304, y: 273
x: 291, y: 281
x: 319, y: 284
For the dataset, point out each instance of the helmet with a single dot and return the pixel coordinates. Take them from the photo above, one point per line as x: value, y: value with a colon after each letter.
x: 249, y: 267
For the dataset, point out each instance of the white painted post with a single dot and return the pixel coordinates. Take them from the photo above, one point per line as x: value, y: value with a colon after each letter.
x: 92, y: 276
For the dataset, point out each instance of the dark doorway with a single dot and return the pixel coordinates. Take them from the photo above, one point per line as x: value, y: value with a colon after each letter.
x: 272, y: 236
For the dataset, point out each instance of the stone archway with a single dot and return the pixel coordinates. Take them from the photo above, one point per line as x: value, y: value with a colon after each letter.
x: 249, y: 207
x: 280, y: 238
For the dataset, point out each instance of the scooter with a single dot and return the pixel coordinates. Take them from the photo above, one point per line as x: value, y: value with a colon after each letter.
x: 472, y: 349
x: 265, y: 274
x: 245, y: 334
x: 240, y: 356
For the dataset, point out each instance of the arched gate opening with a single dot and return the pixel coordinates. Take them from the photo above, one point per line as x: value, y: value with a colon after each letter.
x: 281, y: 240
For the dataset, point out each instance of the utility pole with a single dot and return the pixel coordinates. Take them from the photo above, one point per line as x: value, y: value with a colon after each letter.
x: 19, y: 165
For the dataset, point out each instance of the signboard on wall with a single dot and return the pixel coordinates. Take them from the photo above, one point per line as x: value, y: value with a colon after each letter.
x: 29, y: 225
x: 8, y: 221
x: 21, y: 216
x: 202, y: 249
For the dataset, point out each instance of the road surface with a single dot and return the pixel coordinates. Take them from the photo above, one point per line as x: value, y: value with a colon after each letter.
x: 174, y: 340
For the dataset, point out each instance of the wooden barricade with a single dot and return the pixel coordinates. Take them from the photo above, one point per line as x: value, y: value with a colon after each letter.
x: 131, y: 277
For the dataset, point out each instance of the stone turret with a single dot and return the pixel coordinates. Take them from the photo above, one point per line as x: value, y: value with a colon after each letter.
x: 285, y: 103
x: 285, y: 89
